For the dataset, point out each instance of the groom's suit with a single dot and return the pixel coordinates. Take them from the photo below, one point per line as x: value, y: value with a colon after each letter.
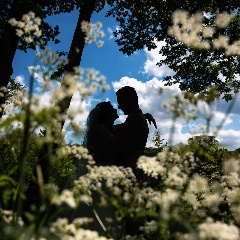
x: 133, y: 141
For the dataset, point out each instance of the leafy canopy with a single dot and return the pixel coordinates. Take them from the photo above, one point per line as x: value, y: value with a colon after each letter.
x: 144, y: 22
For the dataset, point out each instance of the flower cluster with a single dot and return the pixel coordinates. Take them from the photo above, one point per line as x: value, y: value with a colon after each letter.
x: 116, y: 179
x: 28, y: 26
x: 51, y: 192
x: 191, y: 31
x: 71, y: 231
x: 92, y: 32
x: 115, y: 190
x: 180, y: 195
x: 218, y: 230
x: 8, y: 217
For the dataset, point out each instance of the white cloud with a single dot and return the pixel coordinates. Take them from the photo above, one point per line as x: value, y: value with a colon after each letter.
x: 213, y: 112
x: 219, y: 117
x: 20, y: 79
x: 229, y: 138
x: 110, y: 31
x: 36, y: 75
x: 153, y: 56
x: 223, y: 106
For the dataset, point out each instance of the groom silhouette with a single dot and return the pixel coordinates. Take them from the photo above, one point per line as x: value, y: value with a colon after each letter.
x: 133, y: 141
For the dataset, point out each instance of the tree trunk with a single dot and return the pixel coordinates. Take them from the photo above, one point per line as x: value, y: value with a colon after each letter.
x: 9, y: 42
x: 8, y: 47
x: 74, y: 57
x: 76, y: 49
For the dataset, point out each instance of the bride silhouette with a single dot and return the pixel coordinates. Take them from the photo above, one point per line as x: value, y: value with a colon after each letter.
x: 100, y: 136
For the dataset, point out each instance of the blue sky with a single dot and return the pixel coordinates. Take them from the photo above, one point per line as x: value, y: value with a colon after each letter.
x: 139, y: 71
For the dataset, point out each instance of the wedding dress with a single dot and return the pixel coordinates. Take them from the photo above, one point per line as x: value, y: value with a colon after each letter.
x: 104, y: 145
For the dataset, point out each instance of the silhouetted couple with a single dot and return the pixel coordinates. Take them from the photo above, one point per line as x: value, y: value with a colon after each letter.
x: 120, y: 144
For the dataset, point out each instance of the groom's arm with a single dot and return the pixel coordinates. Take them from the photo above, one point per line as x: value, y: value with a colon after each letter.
x: 151, y: 119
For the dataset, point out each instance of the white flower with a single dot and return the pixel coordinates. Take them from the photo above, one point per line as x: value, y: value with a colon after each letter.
x: 175, y: 177
x: 85, y: 198
x: 91, y: 74
x: 29, y: 25
x: 92, y: 32
x: 204, y: 45
x: 21, y: 24
x: 151, y: 166
x: 26, y: 18
x: 98, y: 24
x: 38, y: 33
x: 7, y: 217
x: 233, y: 49
x: 86, y: 27
x: 101, y: 34
x: 174, y: 31
x: 212, y: 200
x: 223, y: 19
x: 78, y: 222
x: 126, y: 197
x: 231, y: 180
x: 198, y: 184
x: 191, y: 199
x: 13, y: 22
x: 38, y: 21
x: 231, y: 165
x: 31, y: 14
x: 66, y: 197
x: 60, y: 225
x: 235, y: 209
x: 221, y: 42
x: 232, y: 195
x: 28, y: 39
x: 150, y: 227
x: 83, y: 234
x: 197, y: 28
x: 180, y: 16
x: 208, y: 31
x: 169, y: 197
x: 3, y: 89
x: 218, y: 230
x: 19, y: 32
x: 198, y: 17
x: 100, y: 43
